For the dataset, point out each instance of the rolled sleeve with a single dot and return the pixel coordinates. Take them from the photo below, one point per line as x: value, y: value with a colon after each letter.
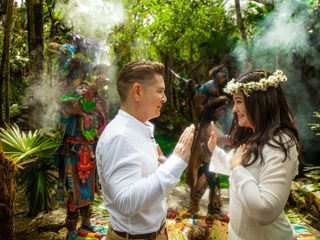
x: 219, y: 162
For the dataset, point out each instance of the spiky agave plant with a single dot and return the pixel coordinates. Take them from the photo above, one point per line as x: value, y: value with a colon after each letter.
x: 32, y: 152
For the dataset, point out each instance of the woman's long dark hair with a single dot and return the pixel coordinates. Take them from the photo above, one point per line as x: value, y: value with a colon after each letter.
x: 271, y: 117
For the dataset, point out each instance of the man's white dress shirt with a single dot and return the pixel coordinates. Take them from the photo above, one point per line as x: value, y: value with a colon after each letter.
x: 134, y: 186
x: 259, y: 193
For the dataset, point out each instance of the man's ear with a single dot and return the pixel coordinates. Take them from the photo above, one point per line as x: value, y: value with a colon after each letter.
x: 137, y: 91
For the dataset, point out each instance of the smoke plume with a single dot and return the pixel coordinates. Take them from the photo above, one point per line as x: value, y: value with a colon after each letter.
x: 283, y: 41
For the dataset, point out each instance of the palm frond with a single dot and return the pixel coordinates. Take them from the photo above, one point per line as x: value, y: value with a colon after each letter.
x: 38, y: 182
x: 21, y: 146
x: 32, y: 152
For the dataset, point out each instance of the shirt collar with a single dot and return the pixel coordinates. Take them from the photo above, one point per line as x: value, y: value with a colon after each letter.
x: 146, y: 128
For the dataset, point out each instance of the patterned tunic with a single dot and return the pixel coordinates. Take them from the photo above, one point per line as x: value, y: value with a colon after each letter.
x: 75, y: 160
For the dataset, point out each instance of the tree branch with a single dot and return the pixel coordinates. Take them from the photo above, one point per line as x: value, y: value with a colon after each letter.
x: 266, y: 2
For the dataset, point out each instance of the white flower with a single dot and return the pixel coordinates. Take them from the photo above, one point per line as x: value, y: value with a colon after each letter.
x: 248, y: 88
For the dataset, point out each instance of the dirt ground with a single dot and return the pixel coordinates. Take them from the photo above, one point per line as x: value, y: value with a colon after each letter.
x: 50, y: 226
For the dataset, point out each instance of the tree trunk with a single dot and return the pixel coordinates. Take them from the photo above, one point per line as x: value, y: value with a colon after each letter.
x: 7, y: 197
x: 240, y: 21
x: 5, y: 64
x: 168, y: 81
x: 51, y: 5
x: 243, y: 35
x: 35, y: 39
x: 36, y: 60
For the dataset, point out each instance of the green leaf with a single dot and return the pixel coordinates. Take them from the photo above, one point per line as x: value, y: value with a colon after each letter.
x: 32, y: 152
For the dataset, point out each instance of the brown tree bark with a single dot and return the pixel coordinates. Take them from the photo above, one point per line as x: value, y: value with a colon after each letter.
x: 50, y: 6
x: 7, y: 197
x: 243, y: 34
x: 168, y: 81
x: 5, y: 65
x: 240, y: 21
x: 35, y: 39
x: 36, y: 60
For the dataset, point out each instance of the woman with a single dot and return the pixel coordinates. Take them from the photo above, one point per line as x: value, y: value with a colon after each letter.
x: 265, y: 158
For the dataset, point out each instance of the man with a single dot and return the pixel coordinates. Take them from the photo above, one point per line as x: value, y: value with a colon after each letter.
x: 211, y: 104
x: 134, y: 182
x: 81, y: 121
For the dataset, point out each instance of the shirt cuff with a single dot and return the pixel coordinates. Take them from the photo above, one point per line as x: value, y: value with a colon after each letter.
x: 239, y: 176
x: 175, y: 165
x: 218, y: 162
x: 216, y: 151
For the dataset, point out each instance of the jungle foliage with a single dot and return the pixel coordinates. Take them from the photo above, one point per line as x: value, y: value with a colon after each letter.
x: 189, y: 37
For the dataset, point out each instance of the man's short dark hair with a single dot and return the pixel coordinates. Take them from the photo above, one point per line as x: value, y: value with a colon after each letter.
x: 137, y: 71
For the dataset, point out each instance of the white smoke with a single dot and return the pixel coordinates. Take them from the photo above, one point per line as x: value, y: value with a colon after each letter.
x: 281, y: 39
x: 93, y: 19
x: 284, y: 33
x: 287, y: 29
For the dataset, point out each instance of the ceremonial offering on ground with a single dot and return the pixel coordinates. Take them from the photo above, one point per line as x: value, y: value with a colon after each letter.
x: 302, y: 233
x: 185, y: 226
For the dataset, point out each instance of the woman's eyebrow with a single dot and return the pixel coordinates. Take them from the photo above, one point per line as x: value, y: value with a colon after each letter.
x: 237, y: 98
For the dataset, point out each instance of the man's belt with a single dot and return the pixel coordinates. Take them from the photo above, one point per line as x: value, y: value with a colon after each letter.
x: 75, y: 140
x: 150, y: 236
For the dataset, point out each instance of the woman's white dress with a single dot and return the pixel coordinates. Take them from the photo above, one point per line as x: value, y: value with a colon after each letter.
x: 258, y: 194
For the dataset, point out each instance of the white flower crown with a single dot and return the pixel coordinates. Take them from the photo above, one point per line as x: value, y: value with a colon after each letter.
x: 248, y: 88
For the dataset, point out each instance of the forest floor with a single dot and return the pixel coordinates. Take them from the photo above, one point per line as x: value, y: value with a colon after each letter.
x: 50, y: 226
